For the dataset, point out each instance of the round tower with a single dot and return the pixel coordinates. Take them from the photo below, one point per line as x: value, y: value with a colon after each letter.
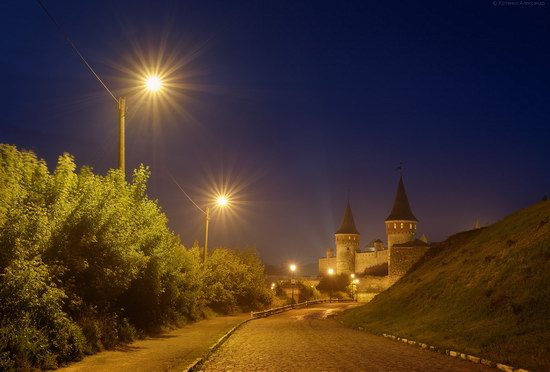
x: 401, y: 223
x: 347, y: 243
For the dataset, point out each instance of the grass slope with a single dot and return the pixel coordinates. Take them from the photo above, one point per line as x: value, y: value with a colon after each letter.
x: 484, y: 292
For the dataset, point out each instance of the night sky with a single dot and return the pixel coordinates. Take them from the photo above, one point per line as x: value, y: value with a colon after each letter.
x: 292, y: 106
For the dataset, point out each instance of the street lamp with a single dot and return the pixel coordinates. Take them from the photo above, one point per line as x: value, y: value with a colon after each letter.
x: 292, y: 270
x: 221, y: 201
x: 356, y: 283
x: 330, y: 274
x: 153, y: 84
x: 352, y: 277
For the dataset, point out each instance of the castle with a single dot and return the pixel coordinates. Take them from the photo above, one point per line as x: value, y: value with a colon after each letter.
x: 403, y: 250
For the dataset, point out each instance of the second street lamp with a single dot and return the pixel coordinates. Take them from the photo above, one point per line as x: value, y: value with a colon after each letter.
x: 292, y: 268
x: 221, y: 201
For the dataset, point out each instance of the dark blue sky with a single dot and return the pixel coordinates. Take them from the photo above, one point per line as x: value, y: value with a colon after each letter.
x: 291, y: 103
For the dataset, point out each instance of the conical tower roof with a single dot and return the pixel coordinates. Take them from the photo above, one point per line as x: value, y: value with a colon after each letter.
x: 348, y: 224
x: 401, y: 209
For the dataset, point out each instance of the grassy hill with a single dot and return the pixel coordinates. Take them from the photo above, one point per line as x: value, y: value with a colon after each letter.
x: 484, y: 292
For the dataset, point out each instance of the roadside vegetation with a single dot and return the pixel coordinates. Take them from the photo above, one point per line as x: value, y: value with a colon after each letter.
x: 484, y: 292
x: 87, y: 262
x: 303, y: 291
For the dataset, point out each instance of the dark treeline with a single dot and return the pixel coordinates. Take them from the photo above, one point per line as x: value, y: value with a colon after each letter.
x: 87, y: 261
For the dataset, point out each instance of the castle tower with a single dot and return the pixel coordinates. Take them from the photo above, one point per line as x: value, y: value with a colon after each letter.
x: 347, y: 243
x: 401, y: 223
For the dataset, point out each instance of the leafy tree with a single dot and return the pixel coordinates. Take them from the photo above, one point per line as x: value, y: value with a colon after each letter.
x: 34, y: 329
x: 235, y: 280
x: 23, y: 219
x: 333, y: 283
x: 85, y: 259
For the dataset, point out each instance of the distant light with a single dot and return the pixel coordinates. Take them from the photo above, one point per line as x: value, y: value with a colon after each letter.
x: 153, y: 83
x: 330, y: 271
x: 352, y: 276
x: 222, y: 201
x: 292, y: 267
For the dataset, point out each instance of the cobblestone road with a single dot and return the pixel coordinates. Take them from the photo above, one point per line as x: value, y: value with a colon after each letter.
x: 308, y: 340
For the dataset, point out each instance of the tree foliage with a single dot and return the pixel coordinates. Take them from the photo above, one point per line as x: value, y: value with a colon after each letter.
x: 334, y: 283
x: 235, y: 279
x: 88, y: 260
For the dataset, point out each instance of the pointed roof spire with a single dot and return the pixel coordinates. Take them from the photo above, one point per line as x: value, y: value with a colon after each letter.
x: 477, y: 225
x: 401, y: 209
x: 348, y: 224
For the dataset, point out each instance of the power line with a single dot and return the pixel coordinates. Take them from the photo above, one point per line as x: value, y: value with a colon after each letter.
x: 188, y: 197
x: 75, y: 48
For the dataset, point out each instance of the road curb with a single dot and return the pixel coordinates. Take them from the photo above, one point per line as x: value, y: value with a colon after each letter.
x: 454, y: 354
x: 197, y: 364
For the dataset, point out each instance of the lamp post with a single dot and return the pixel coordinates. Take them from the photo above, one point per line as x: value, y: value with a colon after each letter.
x: 153, y: 84
x: 356, y: 283
x: 121, y: 125
x: 206, y: 219
x: 330, y: 274
x: 221, y: 201
x: 292, y: 270
x: 352, y: 282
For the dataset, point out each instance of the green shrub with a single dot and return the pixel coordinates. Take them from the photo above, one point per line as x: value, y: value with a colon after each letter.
x: 307, y: 293
x: 333, y: 283
x: 35, y: 331
x: 235, y: 280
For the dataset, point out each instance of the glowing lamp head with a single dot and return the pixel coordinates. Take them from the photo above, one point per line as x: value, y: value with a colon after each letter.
x: 153, y: 83
x: 292, y: 267
x: 330, y: 271
x: 222, y: 201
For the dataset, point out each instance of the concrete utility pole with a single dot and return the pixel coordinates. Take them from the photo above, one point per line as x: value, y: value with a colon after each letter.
x: 121, y: 116
x: 207, y: 218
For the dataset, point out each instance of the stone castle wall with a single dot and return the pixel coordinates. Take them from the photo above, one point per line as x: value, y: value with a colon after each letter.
x: 325, y: 263
x: 365, y: 260
x: 401, y: 259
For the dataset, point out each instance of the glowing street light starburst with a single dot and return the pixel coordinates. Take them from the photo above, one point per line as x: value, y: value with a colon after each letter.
x: 153, y: 83
x: 222, y: 200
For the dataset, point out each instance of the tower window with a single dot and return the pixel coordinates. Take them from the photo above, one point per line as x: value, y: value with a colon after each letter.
x: 401, y: 224
x: 395, y: 226
x: 411, y: 226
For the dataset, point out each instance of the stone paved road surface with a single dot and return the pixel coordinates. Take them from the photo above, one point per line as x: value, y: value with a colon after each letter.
x: 309, y: 340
